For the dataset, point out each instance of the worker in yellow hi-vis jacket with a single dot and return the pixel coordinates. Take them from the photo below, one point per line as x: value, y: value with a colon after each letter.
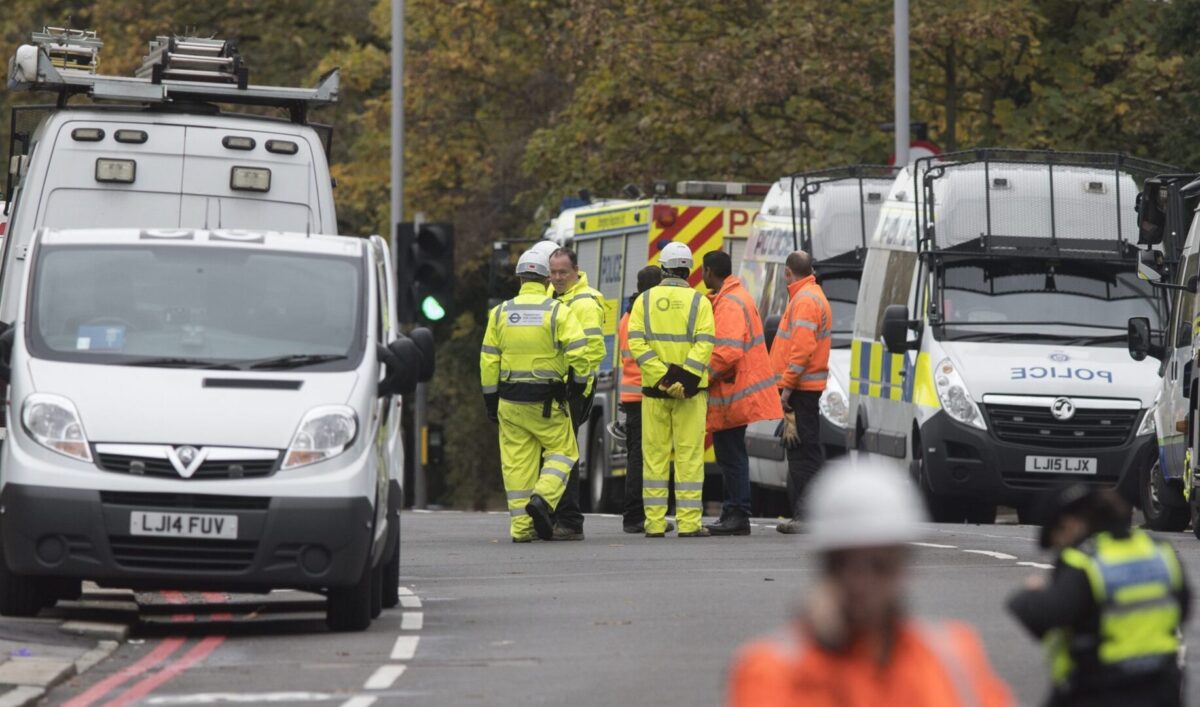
x: 671, y: 338
x: 531, y: 344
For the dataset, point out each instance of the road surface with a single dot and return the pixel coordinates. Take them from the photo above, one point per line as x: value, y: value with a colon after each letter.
x: 617, y: 619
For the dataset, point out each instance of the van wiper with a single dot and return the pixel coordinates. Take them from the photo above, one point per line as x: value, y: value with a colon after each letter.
x: 1086, y: 340
x: 295, y: 361
x: 1010, y: 336
x: 179, y: 362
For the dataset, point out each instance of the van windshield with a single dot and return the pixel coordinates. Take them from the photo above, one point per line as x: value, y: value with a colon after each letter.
x: 197, y: 307
x: 1073, y: 302
x: 841, y: 289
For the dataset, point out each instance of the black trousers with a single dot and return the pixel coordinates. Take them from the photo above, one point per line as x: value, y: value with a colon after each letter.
x: 805, y: 461
x: 634, y: 512
x: 568, y: 514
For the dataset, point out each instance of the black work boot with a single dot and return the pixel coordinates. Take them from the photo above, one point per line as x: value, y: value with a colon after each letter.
x: 539, y: 513
x: 731, y: 523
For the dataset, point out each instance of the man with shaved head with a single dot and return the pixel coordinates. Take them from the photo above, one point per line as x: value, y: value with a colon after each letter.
x: 800, y: 359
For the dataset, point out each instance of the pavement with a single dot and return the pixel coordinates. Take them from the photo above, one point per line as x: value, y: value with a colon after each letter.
x: 616, y: 619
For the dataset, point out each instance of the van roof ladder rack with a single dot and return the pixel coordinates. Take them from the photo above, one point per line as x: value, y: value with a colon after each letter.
x: 175, y: 70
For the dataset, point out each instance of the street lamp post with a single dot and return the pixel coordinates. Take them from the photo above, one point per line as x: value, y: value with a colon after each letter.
x: 901, y: 76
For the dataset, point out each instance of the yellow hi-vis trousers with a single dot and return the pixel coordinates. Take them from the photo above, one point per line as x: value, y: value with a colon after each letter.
x: 673, y: 424
x: 536, y: 456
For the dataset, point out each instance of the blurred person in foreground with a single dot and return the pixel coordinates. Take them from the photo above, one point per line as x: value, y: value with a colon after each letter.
x: 853, y: 643
x: 1110, y: 613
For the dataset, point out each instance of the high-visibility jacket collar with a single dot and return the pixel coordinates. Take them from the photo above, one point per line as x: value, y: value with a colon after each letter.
x: 795, y: 287
x: 580, y: 285
x: 532, y: 287
x: 671, y: 281
x: 727, y: 285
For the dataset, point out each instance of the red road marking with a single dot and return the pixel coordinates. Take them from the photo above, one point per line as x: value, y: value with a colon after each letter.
x: 162, y: 651
x: 146, y: 685
x: 176, y: 597
x: 218, y: 598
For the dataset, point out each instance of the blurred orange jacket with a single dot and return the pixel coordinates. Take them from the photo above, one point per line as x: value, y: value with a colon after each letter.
x: 741, y: 383
x: 930, y: 665
x: 800, y: 352
x: 631, y: 375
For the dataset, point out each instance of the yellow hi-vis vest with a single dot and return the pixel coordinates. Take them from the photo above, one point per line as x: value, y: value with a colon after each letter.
x: 1135, y: 581
x: 587, y: 304
x: 671, y: 323
x: 530, y: 344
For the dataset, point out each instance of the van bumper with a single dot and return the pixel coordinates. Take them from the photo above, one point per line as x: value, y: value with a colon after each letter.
x: 969, y: 462
x: 301, y: 543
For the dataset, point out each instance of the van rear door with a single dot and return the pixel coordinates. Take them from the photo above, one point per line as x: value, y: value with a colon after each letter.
x: 74, y: 196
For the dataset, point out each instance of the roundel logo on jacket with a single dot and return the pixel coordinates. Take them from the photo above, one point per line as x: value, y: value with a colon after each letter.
x: 664, y: 304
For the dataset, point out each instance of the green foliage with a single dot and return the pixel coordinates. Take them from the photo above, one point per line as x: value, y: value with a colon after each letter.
x: 513, y: 104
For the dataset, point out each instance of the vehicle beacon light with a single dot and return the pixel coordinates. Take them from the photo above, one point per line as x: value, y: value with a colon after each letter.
x: 956, y: 401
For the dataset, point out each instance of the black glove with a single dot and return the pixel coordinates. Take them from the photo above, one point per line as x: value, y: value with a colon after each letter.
x: 575, y: 389
x: 492, y: 402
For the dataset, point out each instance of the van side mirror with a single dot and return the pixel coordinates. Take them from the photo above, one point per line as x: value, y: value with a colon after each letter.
x: 771, y: 328
x: 423, y: 338
x: 402, y: 359
x: 1151, y: 217
x: 1186, y: 379
x: 1150, y: 265
x: 896, y: 326
x: 1140, y: 340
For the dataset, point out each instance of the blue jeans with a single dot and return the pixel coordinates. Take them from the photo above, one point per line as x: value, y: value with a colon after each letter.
x: 730, y: 448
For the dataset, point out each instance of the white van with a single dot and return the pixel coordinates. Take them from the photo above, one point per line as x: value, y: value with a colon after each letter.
x: 205, y: 410
x: 989, y: 341
x: 830, y: 213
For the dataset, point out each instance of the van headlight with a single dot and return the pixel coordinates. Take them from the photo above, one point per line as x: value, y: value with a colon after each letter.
x: 53, y: 422
x: 324, y: 433
x: 1148, y: 426
x: 952, y: 392
x: 834, y: 406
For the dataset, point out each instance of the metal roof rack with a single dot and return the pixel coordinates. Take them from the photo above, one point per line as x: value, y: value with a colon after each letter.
x: 810, y: 182
x: 70, y: 49
x: 177, y: 70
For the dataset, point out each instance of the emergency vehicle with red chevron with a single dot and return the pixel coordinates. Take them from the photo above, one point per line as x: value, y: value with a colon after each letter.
x: 614, y: 240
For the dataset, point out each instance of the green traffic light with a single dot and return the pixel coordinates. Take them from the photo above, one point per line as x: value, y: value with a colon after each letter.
x: 432, y: 309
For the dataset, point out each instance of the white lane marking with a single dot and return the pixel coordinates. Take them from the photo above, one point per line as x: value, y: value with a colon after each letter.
x: 993, y: 553
x: 410, y: 602
x: 412, y: 621
x: 385, y: 677
x: 404, y: 592
x: 405, y: 647
x: 360, y: 701
x: 937, y: 545
x: 1038, y: 565
x: 212, y: 698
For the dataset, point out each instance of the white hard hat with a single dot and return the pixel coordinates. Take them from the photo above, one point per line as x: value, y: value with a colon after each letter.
x: 544, y: 247
x: 533, y: 263
x: 863, y: 505
x: 676, y: 255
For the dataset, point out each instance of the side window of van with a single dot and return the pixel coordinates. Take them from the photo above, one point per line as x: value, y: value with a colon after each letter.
x: 1183, y: 309
x: 896, y: 285
x: 382, y: 312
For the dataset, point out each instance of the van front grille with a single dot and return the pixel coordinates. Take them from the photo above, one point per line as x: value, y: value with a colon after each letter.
x: 1037, y: 427
x: 183, y: 554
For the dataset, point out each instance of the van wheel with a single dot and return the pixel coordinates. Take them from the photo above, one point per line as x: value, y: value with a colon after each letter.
x: 598, y: 495
x: 391, y: 574
x: 942, y: 509
x: 1194, y: 507
x: 376, y: 592
x: 349, y: 608
x: 1164, y: 508
x: 21, y: 595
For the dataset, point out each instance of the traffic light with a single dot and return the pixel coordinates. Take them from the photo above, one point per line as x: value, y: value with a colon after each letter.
x: 433, y: 271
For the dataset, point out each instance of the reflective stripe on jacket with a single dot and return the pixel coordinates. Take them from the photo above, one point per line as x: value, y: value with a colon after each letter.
x: 671, y: 323
x: 1135, y: 581
x: 631, y: 375
x: 800, y: 352
x: 530, y: 342
x: 588, y: 307
x: 939, y: 665
x: 742, y: 387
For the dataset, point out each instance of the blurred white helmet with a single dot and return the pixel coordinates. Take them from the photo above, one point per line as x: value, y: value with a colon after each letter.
x: 676, y: 255
x: 863, y: 505
x: 533, y: 263
x: 544, y: 247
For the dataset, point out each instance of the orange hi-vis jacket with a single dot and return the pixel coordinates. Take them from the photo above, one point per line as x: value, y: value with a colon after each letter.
x: 930, y: 665
x: 631, y: 375
x: 800, y: 352
x: 742, y: 384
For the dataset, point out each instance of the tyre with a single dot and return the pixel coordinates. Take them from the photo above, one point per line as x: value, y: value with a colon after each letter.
x: 1194, y: 508
x: 20, y: 595
x: 598, y: 488
x: 942, y: 509
x: 349, y: 608
x: 1028, y: 513
x: 1165, y: 508
x: 376, y: 592
x: 768, y: 502
x: 391, y: 573
x: 979, y: 512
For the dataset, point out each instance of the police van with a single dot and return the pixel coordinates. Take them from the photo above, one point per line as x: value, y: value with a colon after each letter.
x: 154, y: 150
x: 989, y: 340
x: 615, y: 239
x: 205, y: 410
x: 830, y: 213
x: 1167, y: 229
